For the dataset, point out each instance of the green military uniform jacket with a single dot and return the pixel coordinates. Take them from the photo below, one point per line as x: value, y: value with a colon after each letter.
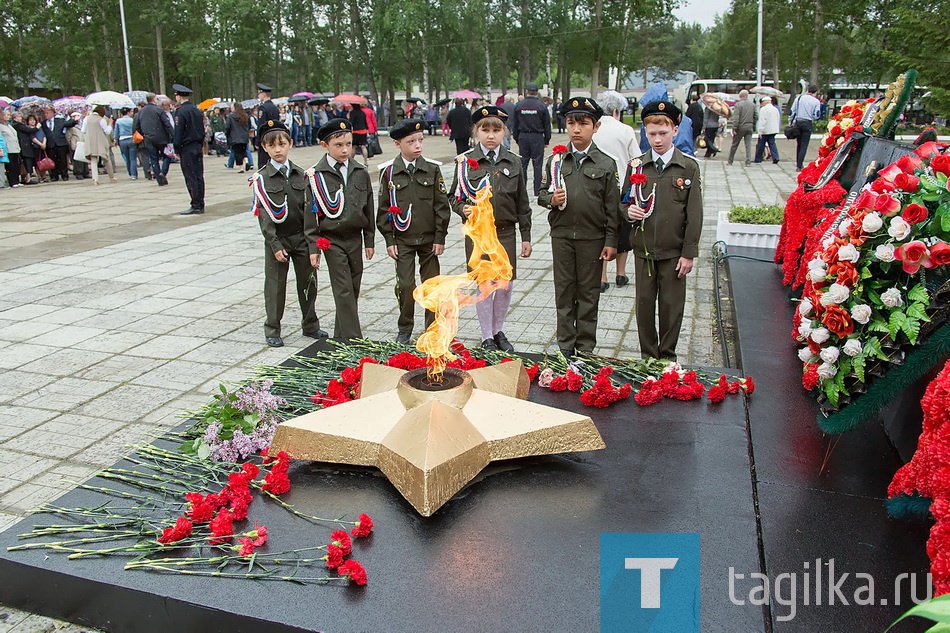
x: 674, y: 228
x: 358, y: 214
x: 300, y: 225
x: 592, y: 210
x: 509, y: 194
x: 425, y: 191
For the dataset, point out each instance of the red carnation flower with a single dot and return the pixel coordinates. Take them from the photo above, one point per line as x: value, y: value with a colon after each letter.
x: 334, y: 556
x: 472, y: 163
x: 558, y: 383
x: 201, y: 510
x: 246, y: 547
x: 747, y: 385
x: 251, y: 470
x: 353, y: 570
x: 342, y: 540
x: 182, y: 529
x: 395, y: 209
x: 716, y: 394
x: 574, y: 381
x: 238, y: 509
x: 258, y: 534
x: 222, y: 527
x: 810, y: 377
x: 323, y: 243
x: 638, y: 179
x: 363, y: 527
x: 559, y: 149
x: 533, y: 372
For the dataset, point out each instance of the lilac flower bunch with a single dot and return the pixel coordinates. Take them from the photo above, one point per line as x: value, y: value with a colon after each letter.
x: 236, y: 424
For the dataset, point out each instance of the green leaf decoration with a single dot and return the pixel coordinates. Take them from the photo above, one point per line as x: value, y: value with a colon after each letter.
x: 831, y: 390
x: 858, y: 365
x: 917, y: 311
x: 939, y: 628
x: 919, y: 294
x: 877, y: 325
x: 911, y: 328
x: 897, y: 321
x: 937, y: 609
x: 866, y: 273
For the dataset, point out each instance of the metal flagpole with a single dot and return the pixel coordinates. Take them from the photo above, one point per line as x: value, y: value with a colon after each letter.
x: 758, y: 73
x: 125, y: 44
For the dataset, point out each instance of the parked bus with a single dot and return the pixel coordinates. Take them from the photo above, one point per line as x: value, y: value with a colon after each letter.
x: 728, y: 87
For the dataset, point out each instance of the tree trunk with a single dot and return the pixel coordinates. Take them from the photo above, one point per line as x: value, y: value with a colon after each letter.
x: 487, y: 69
x: 595, y: 68
x: 816, y: 47
x: 161, y: 60
x: 408, y: 75
x: 95, y: 75
x: 356, y: 22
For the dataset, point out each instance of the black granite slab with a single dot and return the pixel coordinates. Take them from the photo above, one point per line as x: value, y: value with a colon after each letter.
x: 516, y: 550
x: 819, y: 497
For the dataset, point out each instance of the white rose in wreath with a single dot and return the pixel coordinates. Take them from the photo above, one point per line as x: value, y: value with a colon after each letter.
x: 892, y: 298
x: 804, y: 354
x: 804, y: 330
x: 861, y: 313
x: 872, y: 223
x: 817, y: 263
x: 805, y: 307
x: 839, y: 293
x: 830, y: 354
x: 844, y: 226
x: 817, y: 274
x: 828, y: 241
x: 899, y: 228
x: 820, y: 335
x: 885, y: 252
x: 852, y: 347
x: 848, y: 253
x: 827, y: 370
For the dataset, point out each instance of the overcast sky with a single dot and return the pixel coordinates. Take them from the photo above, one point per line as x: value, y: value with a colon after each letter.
x: 702, y: 11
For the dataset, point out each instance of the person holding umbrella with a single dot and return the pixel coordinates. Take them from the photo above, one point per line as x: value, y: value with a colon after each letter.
x: 189, y: 136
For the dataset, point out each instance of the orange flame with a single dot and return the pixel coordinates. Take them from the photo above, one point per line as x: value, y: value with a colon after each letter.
x: 445, y: 294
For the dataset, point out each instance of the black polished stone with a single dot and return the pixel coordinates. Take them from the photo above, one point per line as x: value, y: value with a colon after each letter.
x: 819, y: 496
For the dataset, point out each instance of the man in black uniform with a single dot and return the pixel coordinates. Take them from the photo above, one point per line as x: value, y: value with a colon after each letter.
x: 532, y: 131
x: 189, y: 136
x: 267, y: 112
x: 57, y: 147
x: 152, y: 123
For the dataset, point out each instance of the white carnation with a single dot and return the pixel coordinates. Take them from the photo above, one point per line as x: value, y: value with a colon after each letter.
x: 805, y: 307
x: 848, y: 253
x: 892, y: 298
x: 804, y: 354
x: 820, y: 335
x: 827, y: 370
x: 899, y: 228
x: 885, y: 252
x: 852, y: 347
x: 872, y: 223
x: 830, y: 354
x: 861, y: 313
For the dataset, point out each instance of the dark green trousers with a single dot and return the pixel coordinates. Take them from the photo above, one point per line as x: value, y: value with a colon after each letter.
x: 406, y: 281
x: 577, y: 267
x: 659, y: 285
x: 345, y: 264
x: 275, y: 288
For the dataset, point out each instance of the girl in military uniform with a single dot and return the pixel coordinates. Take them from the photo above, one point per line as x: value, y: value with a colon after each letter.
x: 510, y: 202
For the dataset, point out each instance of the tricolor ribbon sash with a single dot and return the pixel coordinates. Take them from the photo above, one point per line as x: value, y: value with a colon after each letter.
x: 399, y: 219
x: 277, y: 213
x: 325, y: 204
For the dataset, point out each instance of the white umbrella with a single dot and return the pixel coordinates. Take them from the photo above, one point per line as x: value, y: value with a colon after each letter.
x: 109, y: 98
x: 768, y: 90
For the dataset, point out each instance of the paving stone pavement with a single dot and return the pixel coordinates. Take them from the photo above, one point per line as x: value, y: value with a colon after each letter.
x: 116, y: 314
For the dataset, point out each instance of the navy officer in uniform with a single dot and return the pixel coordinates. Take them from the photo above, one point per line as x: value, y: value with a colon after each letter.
x: 531, y: 127
x: 188, y: 140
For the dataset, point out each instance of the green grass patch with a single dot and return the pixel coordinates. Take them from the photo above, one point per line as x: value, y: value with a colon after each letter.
x: 770, y: 214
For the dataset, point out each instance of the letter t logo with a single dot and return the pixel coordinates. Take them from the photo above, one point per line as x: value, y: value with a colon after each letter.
x: 650, y: 578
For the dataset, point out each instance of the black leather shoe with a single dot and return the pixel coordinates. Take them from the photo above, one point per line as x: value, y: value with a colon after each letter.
x: 191, y: 211
x: 317, y: 335
x: 403, y: 337
x: 275, y: 341
x: 162, y: 180
x: 502, y: 342
x: 622, y: 280
x: 603, y: 286
x: 567, y: 353
x: 489, y: 345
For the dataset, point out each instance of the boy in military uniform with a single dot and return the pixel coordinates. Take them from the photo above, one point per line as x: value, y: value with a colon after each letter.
x: 666, y: 229
x: 580, y: 187
x: 290, y: 233
x: 510, y: 203
x: 342, y: 198
x: 413, y: 217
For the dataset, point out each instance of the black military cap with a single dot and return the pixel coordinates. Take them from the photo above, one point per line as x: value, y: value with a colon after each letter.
x: 264, y: 88
x: 333, y: 127
x: 271, y: 126
x: 484, y: 111
x: 662, y: 108
x: 179, y: 89
x: 531, y: 88
x: 581, y: 105
x: 406, y: 127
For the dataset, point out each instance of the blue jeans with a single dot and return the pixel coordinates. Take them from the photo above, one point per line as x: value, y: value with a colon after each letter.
x: 247, y: 152
x: 157, y: 160
x: 295, y: 133
x: 305, y: 135
x: 766, y: 139
x: 130, y: 156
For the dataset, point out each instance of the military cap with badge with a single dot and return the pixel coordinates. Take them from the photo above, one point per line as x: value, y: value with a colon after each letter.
x: 406, y: 127
x: 581, y: 105
x: 182, y: 90
x: 662, y: 108
x: 487, y: 111
x: 271, y: 127
x: 332, y: 128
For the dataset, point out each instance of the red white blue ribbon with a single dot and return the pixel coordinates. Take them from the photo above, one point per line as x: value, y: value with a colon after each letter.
x: 399, y: 219
x: 277, y: 212
x: 464, y: 190
x: 329, y: 205
x: 635, y: 194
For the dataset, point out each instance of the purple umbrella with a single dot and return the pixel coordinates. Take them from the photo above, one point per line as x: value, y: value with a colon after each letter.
x: 309, y: 95
x: 65, y: 105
